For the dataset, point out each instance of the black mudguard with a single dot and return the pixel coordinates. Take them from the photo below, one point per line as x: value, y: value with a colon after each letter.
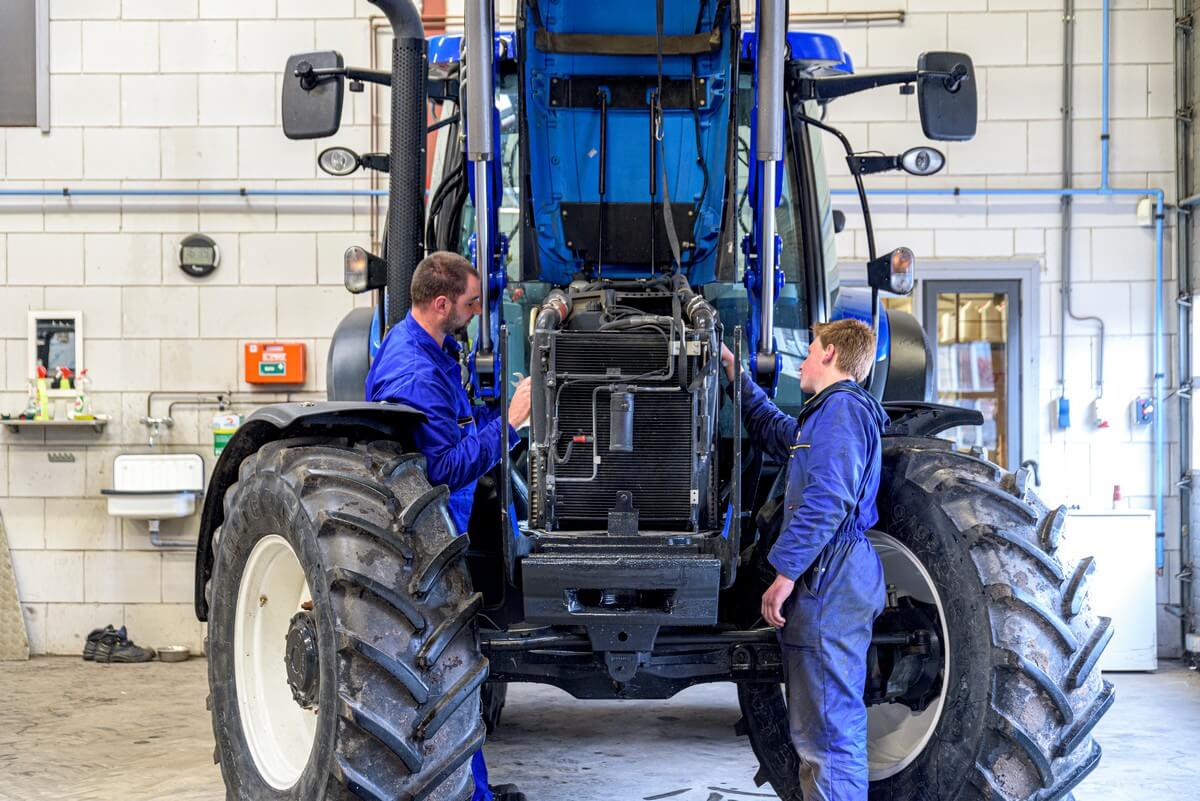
x: 909, y: 372
x: 357, y: 420
x: 350, y: 357
x: 915, y: 419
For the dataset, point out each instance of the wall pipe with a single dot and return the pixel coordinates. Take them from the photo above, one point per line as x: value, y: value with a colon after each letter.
x: 1104, y: 190
x: 68, y: 192
x: 1066, y: 307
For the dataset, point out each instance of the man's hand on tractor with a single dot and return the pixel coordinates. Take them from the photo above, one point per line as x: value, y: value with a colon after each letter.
x: 774, y: 599
x: 518, y: 407
x: 727, y: 360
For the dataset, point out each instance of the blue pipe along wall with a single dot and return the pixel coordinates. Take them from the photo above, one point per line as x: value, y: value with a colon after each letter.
x: 1103, y: 190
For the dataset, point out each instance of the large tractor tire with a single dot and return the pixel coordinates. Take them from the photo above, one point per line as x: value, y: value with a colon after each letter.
x: 1020, y: 692
x: 491, y: 701
x: 344, y: 655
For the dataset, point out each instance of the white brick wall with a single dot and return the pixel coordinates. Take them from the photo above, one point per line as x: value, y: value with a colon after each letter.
x: 1017, y: 48
x: 185, y: 94
x: 157, y: 94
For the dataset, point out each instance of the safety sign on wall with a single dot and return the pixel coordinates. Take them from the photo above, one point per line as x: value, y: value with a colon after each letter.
x: 275, y: 362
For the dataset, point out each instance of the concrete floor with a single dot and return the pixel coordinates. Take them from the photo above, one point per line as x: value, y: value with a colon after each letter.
x: 75, y: 730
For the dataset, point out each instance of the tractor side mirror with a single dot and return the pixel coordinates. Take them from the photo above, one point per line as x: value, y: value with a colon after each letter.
x: 313, y: 91
x: 947, y: 96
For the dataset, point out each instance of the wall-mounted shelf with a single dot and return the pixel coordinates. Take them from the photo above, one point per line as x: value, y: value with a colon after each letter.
x: 96, y: 425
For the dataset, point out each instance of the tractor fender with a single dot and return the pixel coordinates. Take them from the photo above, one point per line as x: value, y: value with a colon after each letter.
x: 910, y: 360
x: 357, y: 420
x: 350, y: 351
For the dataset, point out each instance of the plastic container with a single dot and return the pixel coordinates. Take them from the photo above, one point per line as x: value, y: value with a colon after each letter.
x: 83, y: 397
x: 174, y: 653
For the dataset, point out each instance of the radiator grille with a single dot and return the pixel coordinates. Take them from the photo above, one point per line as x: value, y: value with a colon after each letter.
x: 658, y: 472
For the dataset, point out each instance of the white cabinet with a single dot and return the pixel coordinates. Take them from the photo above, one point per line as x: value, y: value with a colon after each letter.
x: 1123, y: 585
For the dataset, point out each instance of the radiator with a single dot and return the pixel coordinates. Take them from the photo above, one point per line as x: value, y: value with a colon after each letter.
x: 658, y: 472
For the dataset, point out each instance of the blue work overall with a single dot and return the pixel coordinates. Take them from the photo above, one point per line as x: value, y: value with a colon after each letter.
x: 833, y: 455
x: 460, y: 441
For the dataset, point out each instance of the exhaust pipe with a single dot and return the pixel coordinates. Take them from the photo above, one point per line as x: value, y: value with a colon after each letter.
x: 406, y: 185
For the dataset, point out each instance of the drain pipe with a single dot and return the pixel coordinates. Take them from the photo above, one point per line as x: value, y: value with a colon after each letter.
x: 1066, y: 308
x: 167, y: 545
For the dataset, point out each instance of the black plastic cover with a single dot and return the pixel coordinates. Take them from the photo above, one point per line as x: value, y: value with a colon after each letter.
x: 949, y: 105
x: 316, y: 111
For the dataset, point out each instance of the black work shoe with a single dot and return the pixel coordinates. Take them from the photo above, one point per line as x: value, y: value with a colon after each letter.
x: 93, y: 641
x: 117, y: 647
x: 506, y: 792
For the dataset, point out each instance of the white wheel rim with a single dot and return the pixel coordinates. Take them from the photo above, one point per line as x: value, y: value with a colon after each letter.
x: 895, y: 734
x: 279, y: 732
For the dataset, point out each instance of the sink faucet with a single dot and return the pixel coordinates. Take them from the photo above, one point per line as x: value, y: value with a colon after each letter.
x: 156, y: 424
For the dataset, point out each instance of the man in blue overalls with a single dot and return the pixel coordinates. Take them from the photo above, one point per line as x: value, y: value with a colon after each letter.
x: 829, y: 588
x: 418, y: 365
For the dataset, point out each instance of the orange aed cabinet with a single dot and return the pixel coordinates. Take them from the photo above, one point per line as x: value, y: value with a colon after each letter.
x: 274, y: 362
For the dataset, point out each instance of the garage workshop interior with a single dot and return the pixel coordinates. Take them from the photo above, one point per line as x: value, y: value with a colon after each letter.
x: 533, y: 400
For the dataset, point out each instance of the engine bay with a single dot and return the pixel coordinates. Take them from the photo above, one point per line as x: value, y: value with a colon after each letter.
x: 625, y: 401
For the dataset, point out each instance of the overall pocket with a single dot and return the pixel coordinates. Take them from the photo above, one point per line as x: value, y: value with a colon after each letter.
x: 811, y: 580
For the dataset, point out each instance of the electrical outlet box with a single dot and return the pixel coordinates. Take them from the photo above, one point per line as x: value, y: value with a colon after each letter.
x: 1143, y: 411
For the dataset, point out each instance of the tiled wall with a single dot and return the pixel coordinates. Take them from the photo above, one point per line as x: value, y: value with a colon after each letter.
x: 1017, y: 49
x: 160, y: 94
x: 136, y: 103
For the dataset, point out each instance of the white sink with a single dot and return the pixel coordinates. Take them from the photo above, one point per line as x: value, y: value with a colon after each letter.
x: 150, y: 505
x: 155, y: 486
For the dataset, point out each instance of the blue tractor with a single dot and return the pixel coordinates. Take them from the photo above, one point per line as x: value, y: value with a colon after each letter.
x: 636, y: 182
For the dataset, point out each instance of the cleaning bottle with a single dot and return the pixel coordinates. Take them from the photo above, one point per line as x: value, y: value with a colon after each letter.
x: 83, y: 397
x: 43, y: 399
x: 31, y: 402
x: 63, y: 377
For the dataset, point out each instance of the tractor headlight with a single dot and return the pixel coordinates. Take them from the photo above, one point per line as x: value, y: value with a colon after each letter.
x: 338, y: 160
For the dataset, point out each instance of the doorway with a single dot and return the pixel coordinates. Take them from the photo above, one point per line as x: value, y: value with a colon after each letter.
x: 974, y: 330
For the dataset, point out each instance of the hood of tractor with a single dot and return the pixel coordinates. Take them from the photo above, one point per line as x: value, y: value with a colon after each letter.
x: 586, y: 61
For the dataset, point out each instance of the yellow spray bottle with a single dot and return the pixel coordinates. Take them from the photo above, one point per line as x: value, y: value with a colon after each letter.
x: 43, y: 399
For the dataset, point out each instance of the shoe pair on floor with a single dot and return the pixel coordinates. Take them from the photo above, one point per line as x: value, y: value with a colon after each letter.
x: 113, y: 645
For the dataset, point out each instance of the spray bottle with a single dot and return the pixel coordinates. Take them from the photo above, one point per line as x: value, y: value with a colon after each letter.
x: 83, y: 397
x: 43, y: 399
